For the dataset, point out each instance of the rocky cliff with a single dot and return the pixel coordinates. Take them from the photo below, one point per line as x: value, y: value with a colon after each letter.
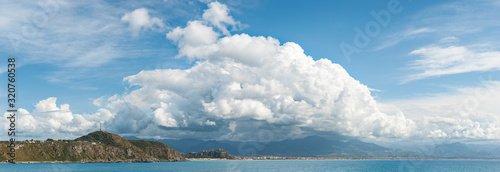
x: 99, y: 146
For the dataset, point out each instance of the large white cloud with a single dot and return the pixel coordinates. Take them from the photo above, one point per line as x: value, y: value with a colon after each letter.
x: 240, y: 78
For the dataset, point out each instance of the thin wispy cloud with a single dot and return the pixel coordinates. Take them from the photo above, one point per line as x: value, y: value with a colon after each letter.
x: 447, y: 19
x: 436, y: 60
x: 444, y: 24
x: 396, y: 38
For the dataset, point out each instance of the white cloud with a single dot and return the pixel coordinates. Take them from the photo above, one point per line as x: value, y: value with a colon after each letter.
x: 193, y: 39
x: 139, y: 19
x: 449, y: 39
x: 86, y: 36
x: 95, y: 57
x: 49, y: 120
x: 217, y: 15
x: 474, y: 21
x: 55, y: 32
x: 374, y: 90
x: 98, y: 102
x: 436, y: 60
x: 467, y: 113
x: 397, y: 37
x: 242, y: 79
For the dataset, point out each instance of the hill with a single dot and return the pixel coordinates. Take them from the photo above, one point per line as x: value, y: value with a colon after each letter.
x: 157, y: 150
x: 188, y: 145
x: 216, y: 153
x: 99, y: 146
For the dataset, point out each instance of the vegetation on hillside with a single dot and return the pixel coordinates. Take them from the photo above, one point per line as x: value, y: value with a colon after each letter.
x: 99, y: 146
x: 216, y: 153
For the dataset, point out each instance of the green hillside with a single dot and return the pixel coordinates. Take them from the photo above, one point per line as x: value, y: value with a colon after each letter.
x: 216, y: 153
x: 99, y: 146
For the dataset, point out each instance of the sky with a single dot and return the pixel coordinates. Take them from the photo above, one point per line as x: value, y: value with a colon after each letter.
x: 392, y: 71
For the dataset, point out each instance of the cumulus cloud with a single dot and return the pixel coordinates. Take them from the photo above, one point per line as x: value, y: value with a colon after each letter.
x: 243, y: 79
x: 98, y: 102
x: 217, y: 15
x: 436, y: 60
x: 50, y: 120
x: 194, y: 39
x: 265, y: 81
x: 139, y: 19
x: 467, y: 113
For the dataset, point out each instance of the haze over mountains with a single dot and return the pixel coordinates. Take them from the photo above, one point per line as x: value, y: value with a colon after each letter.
x: 339, y: 146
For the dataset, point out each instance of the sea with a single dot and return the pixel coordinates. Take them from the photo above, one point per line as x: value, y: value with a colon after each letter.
x: 268, y: 165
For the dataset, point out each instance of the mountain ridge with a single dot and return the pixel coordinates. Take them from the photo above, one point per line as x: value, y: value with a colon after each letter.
x: 333, y: 147
x: 310, y: 146
x: 98, y: 146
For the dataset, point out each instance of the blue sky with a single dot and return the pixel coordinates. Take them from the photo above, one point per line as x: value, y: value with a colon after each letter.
x: 431, y: 58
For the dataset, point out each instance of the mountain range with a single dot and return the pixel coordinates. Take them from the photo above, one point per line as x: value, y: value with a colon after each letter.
x: 312, y: 146
x: 332, y: 147
x: 101, y: 146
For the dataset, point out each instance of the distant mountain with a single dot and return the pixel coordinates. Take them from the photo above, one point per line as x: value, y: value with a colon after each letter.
x: 99, y: 146
x: 316, y: 146
x: 333, y: 146
x: 460, y: 150
x: 309, y: 146
x: 496, y: 151
x: 312, y: 146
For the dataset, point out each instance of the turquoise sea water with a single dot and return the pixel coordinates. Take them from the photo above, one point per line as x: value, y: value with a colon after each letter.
x: 292, y: 165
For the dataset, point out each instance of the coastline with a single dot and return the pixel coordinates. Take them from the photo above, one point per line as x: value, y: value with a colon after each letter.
x: 249, y: 159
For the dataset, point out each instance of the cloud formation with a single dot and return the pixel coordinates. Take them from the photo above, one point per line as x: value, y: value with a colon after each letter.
x: 467, y: 113
x: 217, y: 15
x: 238, y: 85
x: 54, y: 121
x: 139, y: 19
x: 242, y: 78
x: 436, y: 60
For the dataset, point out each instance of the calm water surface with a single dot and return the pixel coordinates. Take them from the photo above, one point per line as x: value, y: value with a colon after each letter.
x: 292, y: 165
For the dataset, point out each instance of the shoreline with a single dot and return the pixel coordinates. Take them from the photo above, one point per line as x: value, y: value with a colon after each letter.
x: 208, y: 159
